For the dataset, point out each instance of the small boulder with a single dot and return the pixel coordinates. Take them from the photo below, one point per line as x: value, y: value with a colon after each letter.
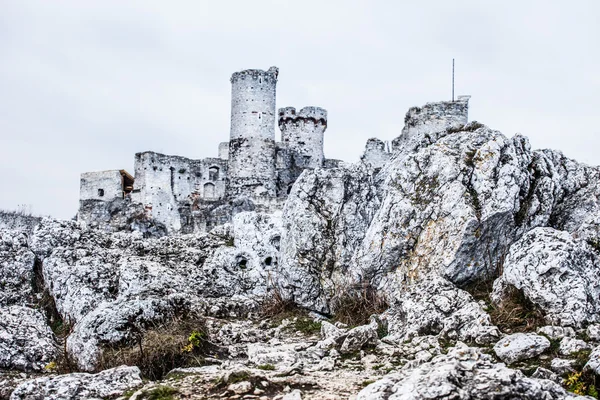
x: 520, y: 346
x: 570, y: 346
x: 240, y: 387
x: 360, y: 337
x: 593, y: 332
x: 562, y: 366
x: 593, y: 363
x: 556, y: 332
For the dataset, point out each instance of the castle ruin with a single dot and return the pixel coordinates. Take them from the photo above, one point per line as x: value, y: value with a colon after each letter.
x: 253, y: 171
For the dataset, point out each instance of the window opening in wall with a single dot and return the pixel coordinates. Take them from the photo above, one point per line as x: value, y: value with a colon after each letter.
x: 213, y: 173
x: 100, y: 192
x: 268, y: 261
x: 209, y: 191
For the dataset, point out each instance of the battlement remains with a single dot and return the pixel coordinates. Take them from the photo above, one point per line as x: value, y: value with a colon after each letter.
x: 376, y: 153
x: 316, y: 115
x: 439, y: 116
x: 259, y: 75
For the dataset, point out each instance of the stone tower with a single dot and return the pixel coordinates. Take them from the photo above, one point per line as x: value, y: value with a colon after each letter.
x: 252, y: 135
x: 302, y: 133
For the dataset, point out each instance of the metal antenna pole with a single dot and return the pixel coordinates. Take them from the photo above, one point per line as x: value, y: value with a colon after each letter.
x: 453, y: 79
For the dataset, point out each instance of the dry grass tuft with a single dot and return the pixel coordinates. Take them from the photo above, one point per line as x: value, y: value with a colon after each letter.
x: 516, y: 313
x: 176, y: 344
x: 354, y: 306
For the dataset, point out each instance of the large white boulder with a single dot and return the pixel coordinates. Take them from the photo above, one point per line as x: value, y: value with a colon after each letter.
x: 559, y: 274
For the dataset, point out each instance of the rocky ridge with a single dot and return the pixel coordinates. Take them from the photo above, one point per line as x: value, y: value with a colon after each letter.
x: 452, y: 211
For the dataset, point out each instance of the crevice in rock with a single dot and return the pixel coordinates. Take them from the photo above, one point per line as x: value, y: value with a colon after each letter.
x: 44, y: 300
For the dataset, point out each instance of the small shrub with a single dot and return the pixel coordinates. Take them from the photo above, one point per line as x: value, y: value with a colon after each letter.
x: 266, y: 367
x: 177, y: 344
x: 356, y: 305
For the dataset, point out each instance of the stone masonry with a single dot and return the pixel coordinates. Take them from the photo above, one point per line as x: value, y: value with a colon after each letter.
x: 253, y: 171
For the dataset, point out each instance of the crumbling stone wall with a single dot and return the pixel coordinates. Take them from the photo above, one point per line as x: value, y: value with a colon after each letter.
x: 166, y: 184
x: 376, y: 153
x: 434, y: 117
x: 102, y: 185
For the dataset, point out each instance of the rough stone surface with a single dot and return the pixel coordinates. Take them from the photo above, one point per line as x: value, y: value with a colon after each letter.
x: 324, y: 220
x: 520, y: 346
x: 559, y: 274
x: 111, y: 285
x: 26, y: 342
x: 436, y: 307
x: 448, y: 205
x: 16, y: 268
x: 593, y: 332
x: 593, y: 362
x: 463, y: 373
x: 557, y: 332
x: 569, y: 346
x: 108, y: 383
x: 359, y: 337
x: 562, y: 366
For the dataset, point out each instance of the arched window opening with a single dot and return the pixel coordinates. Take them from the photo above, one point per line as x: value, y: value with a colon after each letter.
x: 209, y: 191
x: 213, y: 173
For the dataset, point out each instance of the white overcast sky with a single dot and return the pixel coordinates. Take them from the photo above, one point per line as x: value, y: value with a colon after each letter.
x: 85, y: 84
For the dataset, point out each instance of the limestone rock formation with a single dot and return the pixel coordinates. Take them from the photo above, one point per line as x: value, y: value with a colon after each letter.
x: 80, y: 386
x: 16, y: 268
x: 435, y: 306
x: 448, y: 206
x: 463, y: 373
x: 559, y: 274
x: 325, y: 219
x: 520, y: 346
x: 26, y: 342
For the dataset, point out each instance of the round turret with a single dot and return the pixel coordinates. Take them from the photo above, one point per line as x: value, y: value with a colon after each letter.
x: 252, y: 136
x: 302, y: 132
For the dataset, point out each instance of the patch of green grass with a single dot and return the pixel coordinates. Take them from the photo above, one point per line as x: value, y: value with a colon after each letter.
x: 366, y: 383
x: 307, y: 325
x: 160, y: 393
x: 266, y: 367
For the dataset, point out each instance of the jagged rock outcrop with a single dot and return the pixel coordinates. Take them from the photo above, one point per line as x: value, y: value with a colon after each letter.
x: 435, y: 306
x: 464, y: 373
x: 26, y: 342
x: 80, y: 386
x: 112, y: 285
x: 16, y: 268
x: 559, y: 274
x: 448, y: 206
x: 324, y: 219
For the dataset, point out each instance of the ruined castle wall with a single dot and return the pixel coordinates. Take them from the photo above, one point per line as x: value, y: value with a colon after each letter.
x: 102, y: 185
x: 224, y: 150
x: 376, y: 153
x: 434, y: 117
x: 252, y: 135
x: 165, y: 184
x: 303, y: 133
